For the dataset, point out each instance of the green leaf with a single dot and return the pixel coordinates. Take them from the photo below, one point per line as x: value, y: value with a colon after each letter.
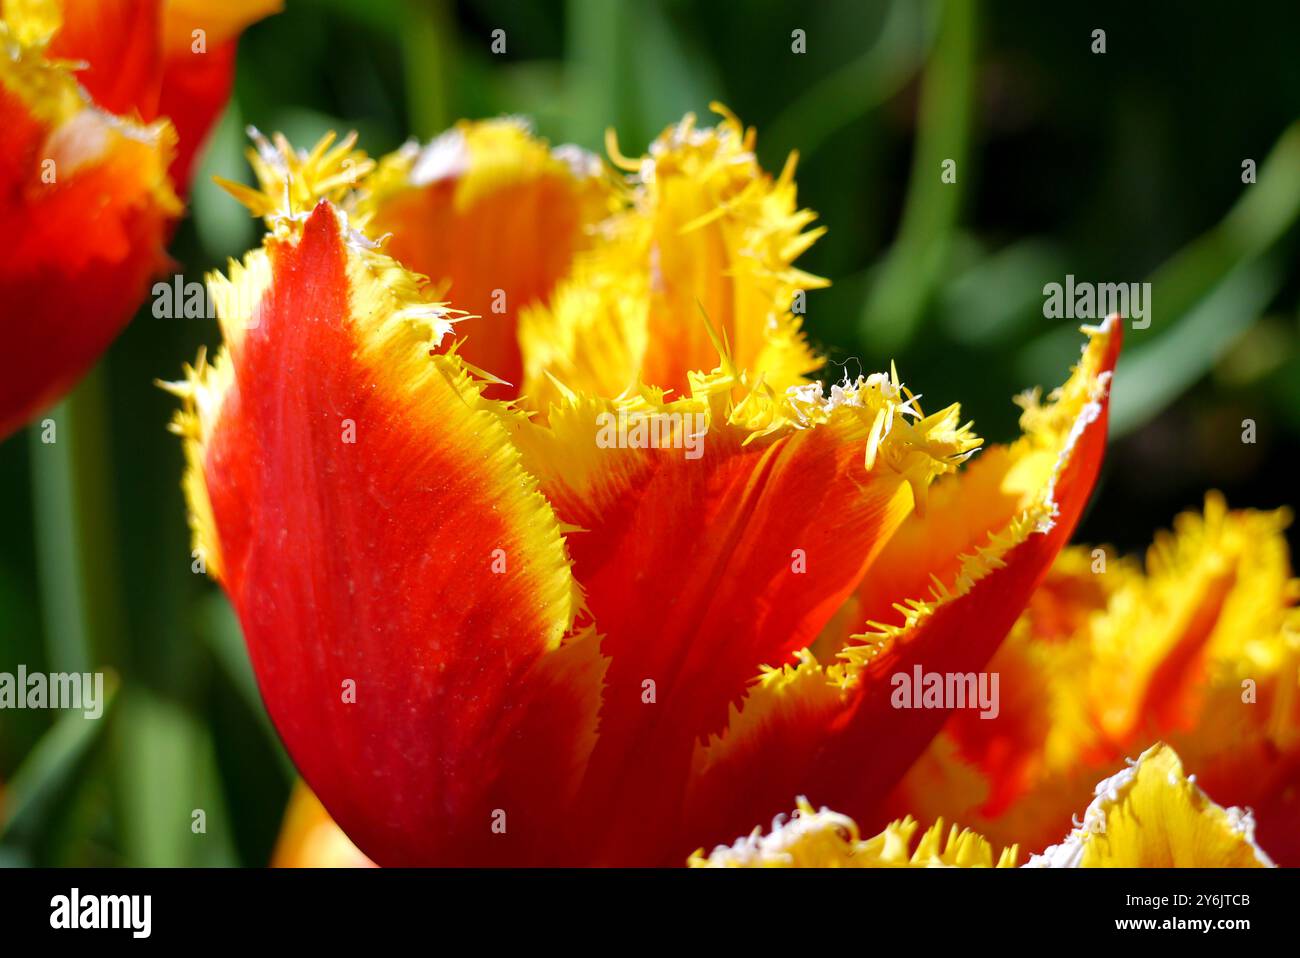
x: 46, y: 784
x: 912, y: 269
x: 862, y: 84
x: 168, y: 774
x: 1154, y: 374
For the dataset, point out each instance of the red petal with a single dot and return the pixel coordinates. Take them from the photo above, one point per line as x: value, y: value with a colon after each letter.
x: 86, y: 207
x: 195, y: 91
x: 846, y: 748
x: 120, y: 44
x: 372, y: 561
x: 700, y: 569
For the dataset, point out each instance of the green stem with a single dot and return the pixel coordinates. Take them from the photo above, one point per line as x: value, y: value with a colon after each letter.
x: 912, y: 269
x: 426, y: 57
x: 593, y: 62
x: 75, y: 542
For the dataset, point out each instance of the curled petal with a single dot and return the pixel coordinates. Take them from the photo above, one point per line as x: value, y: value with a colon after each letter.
x: 1151, y: 815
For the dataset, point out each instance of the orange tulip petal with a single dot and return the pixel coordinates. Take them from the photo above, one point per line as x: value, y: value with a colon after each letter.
x: 199, y: 41
x: 119, y: 46
x: 494, y: 216
x: 195, y: 90
x: 309, y: 838
x: 219, y: 23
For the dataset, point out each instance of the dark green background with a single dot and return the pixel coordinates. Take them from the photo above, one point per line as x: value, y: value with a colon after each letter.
x: 1122, y: 167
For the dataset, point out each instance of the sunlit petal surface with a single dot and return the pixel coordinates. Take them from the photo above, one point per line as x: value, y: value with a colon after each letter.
x: 1151, y: 815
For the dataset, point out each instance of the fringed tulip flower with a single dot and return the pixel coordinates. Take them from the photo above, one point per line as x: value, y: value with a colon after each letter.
x: 812, y: 838
x: 628, y: 623
x: 86, y: 89
x: 1149, y: 815
x: 1200, y: 649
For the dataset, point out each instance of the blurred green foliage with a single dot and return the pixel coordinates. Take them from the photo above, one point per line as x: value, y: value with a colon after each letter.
x: 1115, y: 167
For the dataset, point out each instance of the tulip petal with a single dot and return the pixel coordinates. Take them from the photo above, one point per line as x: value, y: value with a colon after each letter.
x: 397, y: 574
x: 494, y: 216
x: 146, y: 59
x: 87, y: 207
x: 708, y: 240
x: 118, y: 46
x: 833, y: 731
x: 309, y: 838
x: 1202, y: 650
x: 1151, y: 815
x: 721, y: 542
x: 217, y: 23
x: 812, y: 838
x: 199, y: 41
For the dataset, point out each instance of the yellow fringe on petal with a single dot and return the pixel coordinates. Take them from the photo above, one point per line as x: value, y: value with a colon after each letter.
x: 812, y: 838
x: 1036, y: 461
x: 900, y: 436
x: 1151, y: 815
x: 708, y: 238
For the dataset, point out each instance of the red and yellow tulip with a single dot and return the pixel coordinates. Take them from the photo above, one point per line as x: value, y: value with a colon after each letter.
x: 485, y: 635
x: 1201, y: 649
x: 1149, y: 815
x: 104, y: 105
